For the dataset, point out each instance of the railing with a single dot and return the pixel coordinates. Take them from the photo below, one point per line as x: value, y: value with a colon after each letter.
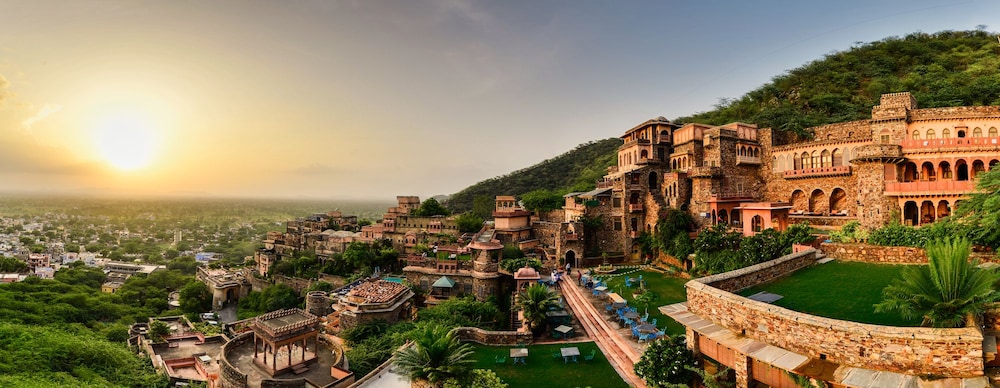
x: 747, y: 160
x: 634, y: 207
x: 733, y: 195
x: 894, y: 188
x: 818, y: 171
x: 951, y: 142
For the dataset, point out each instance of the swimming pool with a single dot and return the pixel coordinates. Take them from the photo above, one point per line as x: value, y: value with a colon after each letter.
x: 393, y: 279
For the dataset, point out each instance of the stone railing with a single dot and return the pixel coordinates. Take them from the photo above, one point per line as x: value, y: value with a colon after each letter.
x: 935, y: 186
x: 955, y: 112
x: 908, y: 350
x: 954, y: 142
x: 231, y: 376
x: 878, y: 152
x: 817, y: 171
x: 747, y: 159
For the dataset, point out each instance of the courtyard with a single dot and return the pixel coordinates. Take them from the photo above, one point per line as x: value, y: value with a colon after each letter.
x: 543, y: 367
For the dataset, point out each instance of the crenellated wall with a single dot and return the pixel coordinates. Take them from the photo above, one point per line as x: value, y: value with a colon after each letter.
x: 907, y: 350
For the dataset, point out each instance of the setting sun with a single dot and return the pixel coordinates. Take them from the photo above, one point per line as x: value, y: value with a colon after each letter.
x: 126, y: 141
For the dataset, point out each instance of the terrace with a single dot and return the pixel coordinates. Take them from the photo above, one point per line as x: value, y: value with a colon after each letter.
x: 667, y: 289
x: 818, y: 290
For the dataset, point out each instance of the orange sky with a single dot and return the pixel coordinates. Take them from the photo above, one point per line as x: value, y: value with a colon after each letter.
x: 359, y: 99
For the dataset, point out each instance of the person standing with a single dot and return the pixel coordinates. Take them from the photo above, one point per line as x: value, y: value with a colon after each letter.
x: 567, y: 268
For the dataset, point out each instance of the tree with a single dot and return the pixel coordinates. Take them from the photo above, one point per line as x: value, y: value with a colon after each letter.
x: 534, y: 302
x: 468, y: 222
x: 10, y: 264
x: 185, y: 264
x: 195, y: 297
x: 665, y: 362
x: 429, y: 208
x: 436, y: 355
x: 482, y: 206
x: 981, y: 211
x: 542, y: 200
x: 478, y: 378
x: 157, y: 330
x: 465, y: 311
x: 944, y: 292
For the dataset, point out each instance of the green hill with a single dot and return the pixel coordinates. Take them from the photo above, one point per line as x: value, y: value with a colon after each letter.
x: 576, y: 170
x: 950, y: 68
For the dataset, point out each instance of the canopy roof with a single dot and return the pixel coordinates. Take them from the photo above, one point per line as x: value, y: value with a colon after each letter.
x: 444, y: 281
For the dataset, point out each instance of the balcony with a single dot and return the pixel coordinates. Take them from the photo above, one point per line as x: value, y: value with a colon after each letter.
x: 817, y: 172
x: 634, y: 234
x: 633, y: 142
x: 730, y: 195
x: 926, y: 145
x: 747, y: 160
x: 634, y: 207
x: 944, y: 186
x: 886, y: 153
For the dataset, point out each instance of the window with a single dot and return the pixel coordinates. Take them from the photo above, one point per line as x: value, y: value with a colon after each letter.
x: 827, y: 161
x: 945, y: 133
x: 618, y: 224
x: 916, y: 135
x: 616, y: 202
x: 993, y: 131
x: 977, y: 132
x: 930, y: 134
x: 757, y: 223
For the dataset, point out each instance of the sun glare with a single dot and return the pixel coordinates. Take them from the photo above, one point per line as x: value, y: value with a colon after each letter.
x: 126, y: 141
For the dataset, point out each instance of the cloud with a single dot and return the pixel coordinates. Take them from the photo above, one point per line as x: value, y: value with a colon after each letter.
x: 46, y: 110
x: 4, y: 92
x: 316, y: 169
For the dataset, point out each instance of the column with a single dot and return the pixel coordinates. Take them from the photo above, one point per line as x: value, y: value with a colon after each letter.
x: 742, y: 365
x: 274, y: 357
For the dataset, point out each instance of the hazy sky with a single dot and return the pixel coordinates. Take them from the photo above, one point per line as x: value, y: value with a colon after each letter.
x: 373, y: 99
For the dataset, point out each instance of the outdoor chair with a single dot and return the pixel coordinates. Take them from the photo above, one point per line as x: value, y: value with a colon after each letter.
x: 608, y: 308
x: 590, y: 357
x: 635, y: 333
x: 654, y: 322
x: 660, y: 334
x: 500, y: 359
x: 643, y: 337
x: 556, y: 354
x: 644, y: 317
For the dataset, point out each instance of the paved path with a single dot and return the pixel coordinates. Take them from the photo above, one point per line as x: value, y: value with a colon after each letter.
x: 617, y: 349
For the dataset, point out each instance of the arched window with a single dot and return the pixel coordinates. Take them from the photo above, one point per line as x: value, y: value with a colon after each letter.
x: 796, y: 162
x: 993, y: 131
x: 806, y: 161
x: 757, y: 223
x: 977, y: 132
x: 945, y: 168
x: 826, y: 160
x: 815, y: 159
x: 930, y: 134
x: 756, y: 152
x: 838, y: 158
x: 916, y: 135
x: 945, y: 133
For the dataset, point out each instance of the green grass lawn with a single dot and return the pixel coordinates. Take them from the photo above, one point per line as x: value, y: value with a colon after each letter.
x: 444, y: 256
x: 668, y: 290
x: 839, y: 290
x: 542, y: 370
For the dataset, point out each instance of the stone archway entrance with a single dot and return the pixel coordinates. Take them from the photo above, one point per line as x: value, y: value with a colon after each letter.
x: 571, y: 259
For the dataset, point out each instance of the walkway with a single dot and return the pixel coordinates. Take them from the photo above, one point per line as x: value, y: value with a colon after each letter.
x: 620, y: 353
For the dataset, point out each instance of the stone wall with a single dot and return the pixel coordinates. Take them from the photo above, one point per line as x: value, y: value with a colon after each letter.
x: 485, y: 337
x: 907, y: 350
x: 733, y: 281
x: 887, y: 255
x: 231, y: 377
x: 955, y: 112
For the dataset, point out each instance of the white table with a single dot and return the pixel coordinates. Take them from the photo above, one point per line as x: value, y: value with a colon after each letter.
x: 519, y: 354
x: 569, y: 354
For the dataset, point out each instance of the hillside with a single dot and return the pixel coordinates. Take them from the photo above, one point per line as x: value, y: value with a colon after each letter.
x: 950, y: 68
x: 576, y: 170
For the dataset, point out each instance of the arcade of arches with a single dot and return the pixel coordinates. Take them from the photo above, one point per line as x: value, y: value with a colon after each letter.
x: 819, y: 202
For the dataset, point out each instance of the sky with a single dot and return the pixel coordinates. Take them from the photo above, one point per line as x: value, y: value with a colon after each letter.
x: 370, y: 99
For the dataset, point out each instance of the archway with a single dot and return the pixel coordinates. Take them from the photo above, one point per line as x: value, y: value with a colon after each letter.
x: 961, y: 170
x: 825, y: 159
x: 943, y: 210
x: 816, y: 201
x: 945, y: 168
x: 735, y: 214
x: 927, y: 212
x: 633, y: 199
x: 643, y: 155
x: 911, y: 216
x: 230, y: 295
x: 838, y: 201
x: 723, y: 216
x: 909, y: 172
x: 653, y: 184
x: 757, y: 223
x: 571, y: 258
x: 927, y: 171
x: 799, y: 201
x: 838, y: 158
x: 977, y: 167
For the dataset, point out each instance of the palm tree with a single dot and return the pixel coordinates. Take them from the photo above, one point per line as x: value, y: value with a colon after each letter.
x: 436, y: 355
x: 534, y: 302
x: 946, y: 291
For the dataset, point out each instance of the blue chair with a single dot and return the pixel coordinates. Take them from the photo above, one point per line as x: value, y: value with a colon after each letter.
x: 644, y: 317
x: 654, y: 322
x: 500, y: 359
x: 643, y: 337
x: 635, y: 333
x: 608, y: 308
x: 590, y: 357
x: 660, y: 334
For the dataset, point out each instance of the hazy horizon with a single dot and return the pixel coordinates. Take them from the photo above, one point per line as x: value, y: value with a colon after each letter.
x: 365, y: 99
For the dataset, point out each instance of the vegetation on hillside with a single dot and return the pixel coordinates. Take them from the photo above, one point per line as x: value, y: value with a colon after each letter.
x: 948, y: 68
x: 576, y: 170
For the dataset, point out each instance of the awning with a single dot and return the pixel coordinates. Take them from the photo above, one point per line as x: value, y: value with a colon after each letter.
x: 444, y: 281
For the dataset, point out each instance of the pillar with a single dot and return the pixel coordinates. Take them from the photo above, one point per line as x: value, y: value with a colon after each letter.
x: 742, y: 365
